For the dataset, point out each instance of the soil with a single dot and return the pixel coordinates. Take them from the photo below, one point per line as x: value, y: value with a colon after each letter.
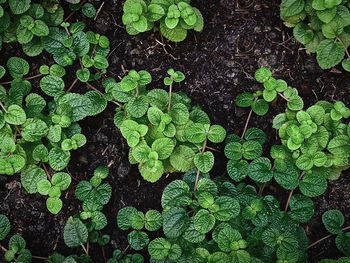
x: 219, y: 63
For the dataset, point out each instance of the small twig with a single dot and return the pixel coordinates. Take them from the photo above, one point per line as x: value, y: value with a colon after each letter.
x: 246, y: 123
x: 137, y: 91
x: 72, y: 13
x: 291, y: 193
x: 262, y: 189
x: 71, y: 86
x: 198, y: 172
x: 282, y: 96
x: 3, y: 248
x: 324, y: 238
x: 110, y: 163
x: 104, y: 254
x: 346, y: 50
x: 99, y: 10
x: 126, y: 249
x: 93, y: 51
x: 28, y: 78
x: 212, y: 149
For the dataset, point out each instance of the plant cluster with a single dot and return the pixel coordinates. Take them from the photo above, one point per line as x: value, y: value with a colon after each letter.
x: 223, y: 222
x: 34, y: 133
x: 175, y: 17
x: 164, y: 132
x: 322, y: 26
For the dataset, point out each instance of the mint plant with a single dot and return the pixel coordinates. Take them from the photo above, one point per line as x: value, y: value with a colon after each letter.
x: 84, y: 227
x: 164, y: 132
x: 322, y: 26
x: 26, y: 22
x: 34, y: 133
x: 175, y: 17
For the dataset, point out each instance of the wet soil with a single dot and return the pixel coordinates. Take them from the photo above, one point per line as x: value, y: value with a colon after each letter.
x: 219, y: 63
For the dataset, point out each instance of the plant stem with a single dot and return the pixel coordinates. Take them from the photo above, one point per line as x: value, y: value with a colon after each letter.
x: 72, y: 13
x: 346, y: 50
x: 198, y: 172
x: 262, y: 189
x: 324, y: 238
x: 3, y: 248
x: 71, y: 86
x: 93, y: 88
x: 126, y: 249
x: 3, y: 107
x: 282, y: 96
x: 93, y: 51
x: 246, y: 123
x: 86, y: 252
x: 291, y: 193
x: 170, y: 93
x: 37, y: 257
x: 46, y: 171
x: 28, y: 78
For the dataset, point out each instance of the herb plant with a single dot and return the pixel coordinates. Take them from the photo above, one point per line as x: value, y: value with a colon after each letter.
x: 322, y: 26
x: 34, y: 132
x: 175, y: 17
x: 164, y: 132
x: 25, y: 22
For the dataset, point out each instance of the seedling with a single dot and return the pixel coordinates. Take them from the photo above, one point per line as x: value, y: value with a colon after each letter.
x: 175, y: 17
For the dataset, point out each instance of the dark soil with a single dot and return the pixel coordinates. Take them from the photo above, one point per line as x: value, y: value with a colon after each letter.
x: 219, y: 63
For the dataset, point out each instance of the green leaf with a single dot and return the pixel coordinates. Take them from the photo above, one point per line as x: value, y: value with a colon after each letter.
x: 262, y: 75
x: 175, y: 222
x: 54, y: 205
x: 216, y: 134
x: 176, y: 194
x: 159, y: 248
x: 43, y: 187
x: 196, y: 133
x: 303, y: 33
x: 58, y: 159
x: 123, y: 217
x: 179, y: 114
x: 155, y: 12
x: 99, y: 219
x: 83, y: 74
x: 329, y: 53
x: 182, y: 158
x: 287, y: 178
x: 30, y: 177
x: 226, y: 237
x: 62, y: 180
x: 137, y: 220
x: 17, y: 243
x: 333, y: 221
x: 17, y: 67
x: 339, y: 146
x: 19, y: 6
x: 89, y: 10
x: 251, y: 150
x: 295, y: 103
x: 192, y: 235
x: 204, y: 161
x: 342, y: 242
x: 228, y: 208
x: 260, y: 170
x: 346, y: 64
x: 40, y: 29
x: 237, y: 170
x: 75, y: 233
x: 177, y: 34
x: 203, y: 221
x: 304, y: 162
x: 164, y: 147
x: 260, y: 107
x: 255, y: 134
x: 158, y: 98
x: 100, y: 62
x: 313, y: 185
x: 207, y: 185
x: 35, y: 104
x: 326, y: 15
x: 153, y: 220
x: 302, y: 208
x: 51, y: 85
x: 245, y: 99
x: 5, y: 226
x: 152, y: 173
x: 80, y: 105
x: 291, y: 7
x: 34, y: 130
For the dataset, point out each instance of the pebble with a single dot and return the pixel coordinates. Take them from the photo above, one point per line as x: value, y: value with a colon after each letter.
x: 123, y: 169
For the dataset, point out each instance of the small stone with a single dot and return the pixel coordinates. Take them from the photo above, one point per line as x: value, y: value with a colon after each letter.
x: 272, y: 60
x: 123, y: 169
x: 83, y: 159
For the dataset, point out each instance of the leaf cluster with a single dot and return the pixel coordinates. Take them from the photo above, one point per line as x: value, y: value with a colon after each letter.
x: 175, y: 17
x: 164, y: 132
x: 323, y: 26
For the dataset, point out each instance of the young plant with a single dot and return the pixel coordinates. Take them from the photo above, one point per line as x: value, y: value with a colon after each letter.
x: 84, y: 227
x: 34, y: 132
x: 175, y: 17
x: 17, y: 251
x: 119, y: 257
x: 27, y: 23
x: 322, y: 26
x: 164, y: 132
x: 219, y: 222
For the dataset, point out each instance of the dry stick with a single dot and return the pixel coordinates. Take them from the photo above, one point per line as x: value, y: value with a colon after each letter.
x: 291, y: 193
x: 248, y: 119
x: 71, y: 86
x: 28, y: 78
x: 324, y: 238
x: 101, y: 74
x: 137, y: 91
x: 282, y: 96
x: 86, y: 252
x: 170, y: 91
x: 262, y: 189
x: 72, y: 13
x: 104, y: 254
x: 99, y: 10
x: 198, y: 172
x: 126, y: 249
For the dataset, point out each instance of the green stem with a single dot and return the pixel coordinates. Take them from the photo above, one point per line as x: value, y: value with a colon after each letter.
x: 346, y: 50
x: 170, y: 94
x: 198, y: 172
